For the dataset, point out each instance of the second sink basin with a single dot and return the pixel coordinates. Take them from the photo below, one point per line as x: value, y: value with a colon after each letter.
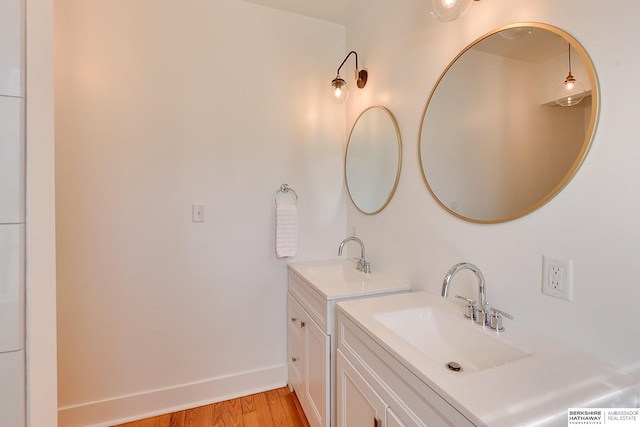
x: 338, y: 272
x: 339, y: 278
x: 444, y: 338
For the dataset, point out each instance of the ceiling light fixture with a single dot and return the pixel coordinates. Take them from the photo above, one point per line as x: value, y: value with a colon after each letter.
x: 448, y: 10
x: 571, y: 92
x: 340, y: 90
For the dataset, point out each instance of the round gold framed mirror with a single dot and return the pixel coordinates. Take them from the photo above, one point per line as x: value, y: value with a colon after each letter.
x: 373, y: 160
x: 494, y: 143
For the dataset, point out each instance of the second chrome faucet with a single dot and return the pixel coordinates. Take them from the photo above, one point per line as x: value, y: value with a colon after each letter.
x: 477, y: 314
x: 363, y: 264
x: 480, y: 314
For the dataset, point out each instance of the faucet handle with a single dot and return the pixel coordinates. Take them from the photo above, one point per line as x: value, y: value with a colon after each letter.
x: 496, y: 319
x: 366, y: 266
x: 470, y: 311
x: 363, y: 265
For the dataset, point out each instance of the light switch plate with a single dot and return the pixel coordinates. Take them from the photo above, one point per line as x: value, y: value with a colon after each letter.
x: 197, y: 213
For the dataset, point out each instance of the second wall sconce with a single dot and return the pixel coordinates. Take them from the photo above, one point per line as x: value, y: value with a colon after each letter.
x: 448, y: 10
x: 339, y: 88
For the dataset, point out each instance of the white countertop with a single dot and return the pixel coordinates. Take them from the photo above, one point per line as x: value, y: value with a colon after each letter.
x: 536, y: 390
x: 339, y: 278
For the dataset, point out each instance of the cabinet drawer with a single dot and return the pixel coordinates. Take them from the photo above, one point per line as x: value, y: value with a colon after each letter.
x: 295, y: 366
x: 295, y: 315
x: 311, y: 301
x: 295, y: 345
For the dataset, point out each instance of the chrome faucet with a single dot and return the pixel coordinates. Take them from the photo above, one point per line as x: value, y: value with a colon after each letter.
x: 363, y: 265
x: 477, y: 314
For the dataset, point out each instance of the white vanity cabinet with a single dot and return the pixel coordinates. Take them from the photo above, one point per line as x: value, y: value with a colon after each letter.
x: 392, y: 358
x: 375, y: 389
x: 308, y: 364
x: 314, y: 290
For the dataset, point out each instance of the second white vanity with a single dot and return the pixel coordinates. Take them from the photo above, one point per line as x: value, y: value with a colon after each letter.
x: 414, y: 360
x: 314, y: 289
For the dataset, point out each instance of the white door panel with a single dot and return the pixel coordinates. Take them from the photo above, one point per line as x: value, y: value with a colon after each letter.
x: 12, y: 393
x: 11, y: 287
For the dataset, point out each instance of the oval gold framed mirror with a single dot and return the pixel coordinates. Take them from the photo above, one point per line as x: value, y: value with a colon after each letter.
x: 494, y: 143
x: 373, y: 160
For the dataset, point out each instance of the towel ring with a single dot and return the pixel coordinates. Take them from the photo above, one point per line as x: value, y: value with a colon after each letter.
x: 284, y: 188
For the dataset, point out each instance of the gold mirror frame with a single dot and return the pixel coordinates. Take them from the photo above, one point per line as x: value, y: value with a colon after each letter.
x: 576, y: 47
x: 375, y: 172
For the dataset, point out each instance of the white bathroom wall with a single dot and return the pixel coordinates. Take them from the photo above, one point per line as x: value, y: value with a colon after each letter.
x: 161, y: 105
x: 593, y: 221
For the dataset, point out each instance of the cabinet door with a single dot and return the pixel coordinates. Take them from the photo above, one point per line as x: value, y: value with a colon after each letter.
x: 316, y: 357
x: 358, y: 405
x: 393, y: 420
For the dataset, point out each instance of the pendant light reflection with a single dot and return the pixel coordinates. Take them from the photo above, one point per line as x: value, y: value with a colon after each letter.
x: 339, y: 88
x: 448, y: 10
x: 571, y: 92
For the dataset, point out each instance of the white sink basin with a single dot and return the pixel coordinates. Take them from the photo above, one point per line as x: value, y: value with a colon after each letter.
x: 444, y: 338
x: 338, y: 272
x: 339, y: 278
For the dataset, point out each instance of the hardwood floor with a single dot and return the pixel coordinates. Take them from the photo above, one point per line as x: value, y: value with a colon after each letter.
x: 274, y: 408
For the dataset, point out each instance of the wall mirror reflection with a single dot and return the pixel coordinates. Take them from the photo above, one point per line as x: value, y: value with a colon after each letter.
x: 373, y: 159
x: 494, y: 143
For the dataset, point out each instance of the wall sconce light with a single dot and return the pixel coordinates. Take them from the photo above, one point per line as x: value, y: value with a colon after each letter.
x: 339, y: 88
x: 448, y: 10
x: 571, y: 92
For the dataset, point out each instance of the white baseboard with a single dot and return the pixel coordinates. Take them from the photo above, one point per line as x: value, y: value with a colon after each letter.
x: 123, y: 409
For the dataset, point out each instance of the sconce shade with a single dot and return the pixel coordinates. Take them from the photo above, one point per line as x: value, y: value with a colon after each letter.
x: 340, y: 91
x: 448, y: 10
x: 571, y: 92
x: 339, y: 88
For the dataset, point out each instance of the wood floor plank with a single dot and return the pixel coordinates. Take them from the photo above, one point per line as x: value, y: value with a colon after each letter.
x: 251, y: 419
x: 303, y: 418
x: 277, y: 411
x: 290, y: 411
x: 234, y: 413
x: 147, y: 422
x: 247, y: 404
x: 274, y: 408
x: 175, y: 420
x: 199, y: 417
x: 218, y: 415
x: 262, y: 410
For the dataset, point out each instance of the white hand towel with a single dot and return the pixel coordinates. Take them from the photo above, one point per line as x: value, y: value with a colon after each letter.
x: 286, y: 230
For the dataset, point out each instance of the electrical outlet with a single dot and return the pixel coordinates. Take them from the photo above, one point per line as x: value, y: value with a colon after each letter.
x: 557, y: 278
